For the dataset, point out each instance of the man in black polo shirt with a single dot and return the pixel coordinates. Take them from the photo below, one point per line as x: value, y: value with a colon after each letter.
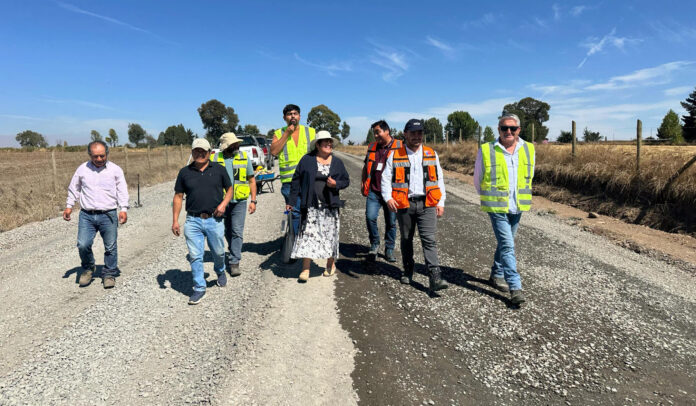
x: 204, y: 183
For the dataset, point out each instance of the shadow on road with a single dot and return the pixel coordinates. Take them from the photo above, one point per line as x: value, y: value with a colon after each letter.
x: 458, y: 277
x: 78, y: 270
x: 181, y: 281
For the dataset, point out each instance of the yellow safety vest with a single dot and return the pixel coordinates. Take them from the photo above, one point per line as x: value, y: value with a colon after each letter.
x: 291, y: 155
x: 495, y: 183
x: 240, y: 183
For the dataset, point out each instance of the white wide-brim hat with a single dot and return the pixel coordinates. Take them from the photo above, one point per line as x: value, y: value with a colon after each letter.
x: 322, y: 135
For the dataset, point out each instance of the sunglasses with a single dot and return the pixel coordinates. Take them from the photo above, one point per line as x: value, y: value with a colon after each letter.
x: 326, y: 144
x: 512, y: 128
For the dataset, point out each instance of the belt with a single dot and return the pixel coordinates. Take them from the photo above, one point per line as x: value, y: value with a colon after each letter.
x: 98, y: 211
x: 201, y: 215
x: 417, y: 198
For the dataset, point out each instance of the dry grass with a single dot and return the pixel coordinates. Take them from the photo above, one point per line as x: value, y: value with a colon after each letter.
x: 604, y: 178
x: 27, y: 184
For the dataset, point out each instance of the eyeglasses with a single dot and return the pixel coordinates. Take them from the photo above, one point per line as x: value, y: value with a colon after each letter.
x: 512, y: 128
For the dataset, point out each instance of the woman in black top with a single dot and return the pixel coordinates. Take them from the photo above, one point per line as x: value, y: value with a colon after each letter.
x: 318, y: 178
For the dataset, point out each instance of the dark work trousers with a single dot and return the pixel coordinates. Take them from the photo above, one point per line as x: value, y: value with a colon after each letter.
x: 234, y: 229
x: 425, y: 218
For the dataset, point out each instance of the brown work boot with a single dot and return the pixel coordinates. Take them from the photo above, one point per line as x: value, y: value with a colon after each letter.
x: 109, y: 282
x: 86, y: 276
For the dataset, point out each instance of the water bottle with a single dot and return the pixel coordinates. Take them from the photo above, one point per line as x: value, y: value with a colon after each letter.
x: 282, y: 223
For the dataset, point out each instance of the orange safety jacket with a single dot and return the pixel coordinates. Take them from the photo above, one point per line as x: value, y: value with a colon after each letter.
x: 371, y: 154
x: 401, y: 178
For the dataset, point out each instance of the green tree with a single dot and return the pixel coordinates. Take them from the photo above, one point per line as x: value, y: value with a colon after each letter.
x: 345, y: 130
x: 217, y: 119
x: 176, y: 135
x: 590, y: 136
x: 432, y: 130
x: 370, y: 137
x: 565, y: 137
x: 150, y: 140
x: 136, y: 134
x: 270, y: 134
x: 671, y: 129
x: 530, y: 111
x: 112, y: 139
x: 461, y: 120
x: 95, y: 136
x: 350, y: 142
x: 323, y: 118
x: 251, y: 129
x: 31, y: 139
x: 689, y: 105
x: 488, y: 135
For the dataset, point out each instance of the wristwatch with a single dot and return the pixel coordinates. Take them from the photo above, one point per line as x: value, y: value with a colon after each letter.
x: 252, y: 201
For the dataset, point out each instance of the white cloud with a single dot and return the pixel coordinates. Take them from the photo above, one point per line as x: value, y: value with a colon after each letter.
x: 485, y: 20
x: 674, y: 32
x: 556, y: 11
x: 595, y: 45
x: 20, y: 117
x: 439, y: 44
x: 678, y: 91
x: 577, y: 10
x: 84, y: 103
x: 331, y: 69
x: 394, y: 61
x: 642, y: 77
x: 573, y: 87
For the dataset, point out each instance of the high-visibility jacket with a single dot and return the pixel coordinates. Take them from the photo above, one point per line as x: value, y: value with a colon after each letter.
x: 401, y: 178
x: 371, y: 154
x: 495, y: 185
x: 240, y: 183
x: 291, y: 155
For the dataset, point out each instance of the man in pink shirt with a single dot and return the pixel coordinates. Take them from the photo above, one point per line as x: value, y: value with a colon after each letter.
x: 101, y: 189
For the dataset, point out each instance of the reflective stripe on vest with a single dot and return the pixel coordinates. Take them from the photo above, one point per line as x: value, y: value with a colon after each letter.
x: 371, y: 155
x: 401, y: 178
x: 291, y: 155
x: 495, y: 184
x: 240, y: 183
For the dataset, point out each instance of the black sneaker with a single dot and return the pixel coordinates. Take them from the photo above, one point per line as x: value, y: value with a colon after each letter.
x: 407, y: 276
x: 499, y: 283
x: 389, y: 255
x: 222, y: 279
x: 372, y: 254
x: 196, y: 297
x: 234, y: 270
x: 517, y: 297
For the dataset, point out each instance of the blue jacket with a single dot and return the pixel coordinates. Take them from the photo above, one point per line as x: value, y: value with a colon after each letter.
x: 303, y: 181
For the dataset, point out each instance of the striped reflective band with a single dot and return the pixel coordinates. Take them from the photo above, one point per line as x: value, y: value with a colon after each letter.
x: 494, y: 193
x: 494, y: 176
x: 306, y: 133
x: 429, y: 162
x: 240, y: 166
x: 286, y: 176
x: 399, y: 185
x: 287, y: 168
x: 398, y: 164
x: 525, y: 191
x: 526, y: 202
x: 430, y: 184
x: 493, y: 203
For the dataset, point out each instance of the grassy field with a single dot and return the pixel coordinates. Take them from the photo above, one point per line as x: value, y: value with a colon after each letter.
x: 30, y: 192
x: 603, y: 178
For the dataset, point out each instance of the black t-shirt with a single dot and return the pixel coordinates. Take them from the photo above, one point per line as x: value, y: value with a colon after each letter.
x: 203, y: 189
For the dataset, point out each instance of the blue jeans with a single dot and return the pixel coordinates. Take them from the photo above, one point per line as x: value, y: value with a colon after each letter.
x: 372, y: 205
x: 234, y: 229
x: 285, y: 191
x: 504, y: 262
x: 107, y: 226
x: 196, y: 230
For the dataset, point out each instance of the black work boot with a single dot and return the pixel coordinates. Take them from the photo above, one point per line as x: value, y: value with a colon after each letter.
x: 407, y: 275
x: 436, y: 282
x: 517, y: 297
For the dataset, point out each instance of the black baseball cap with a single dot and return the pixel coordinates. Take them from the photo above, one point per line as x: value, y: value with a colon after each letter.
x: 414, y: 125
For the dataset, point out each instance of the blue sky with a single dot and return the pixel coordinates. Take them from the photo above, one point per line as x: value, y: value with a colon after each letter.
x: 67, y: 67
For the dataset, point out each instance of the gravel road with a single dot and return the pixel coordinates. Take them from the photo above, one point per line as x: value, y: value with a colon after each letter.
x: 602, y: 325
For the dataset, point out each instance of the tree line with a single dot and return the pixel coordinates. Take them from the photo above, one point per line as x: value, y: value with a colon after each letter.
x: 217, y: 118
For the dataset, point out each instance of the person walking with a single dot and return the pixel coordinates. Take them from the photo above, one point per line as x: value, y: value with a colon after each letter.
x: 101, y: 189
x: 315, y: 184
x: 414, y: 188
x: 294, y: 141
x: 207, y: 186
x: 371, y: 187
x: 241, y: 172
x: 503, y: 175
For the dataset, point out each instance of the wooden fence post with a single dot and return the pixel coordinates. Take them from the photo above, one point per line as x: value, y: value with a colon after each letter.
x: 55, y: 171
x: 639, y: 137
x: 149, y: 165
x: 574, y: 141
x: 181, y: 152
x: 460, y: 135
x: 166, y: 157
x: 125, y: 151
x: 532, y: 133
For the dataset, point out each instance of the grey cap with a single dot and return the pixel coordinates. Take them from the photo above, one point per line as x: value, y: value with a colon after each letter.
x: 201, y: 143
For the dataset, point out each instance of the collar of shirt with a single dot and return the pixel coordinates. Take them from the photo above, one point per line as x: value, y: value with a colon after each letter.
x: 419, y: 150
x: 94, y: 167
x: 520, y: 141
x: 385, y: 146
